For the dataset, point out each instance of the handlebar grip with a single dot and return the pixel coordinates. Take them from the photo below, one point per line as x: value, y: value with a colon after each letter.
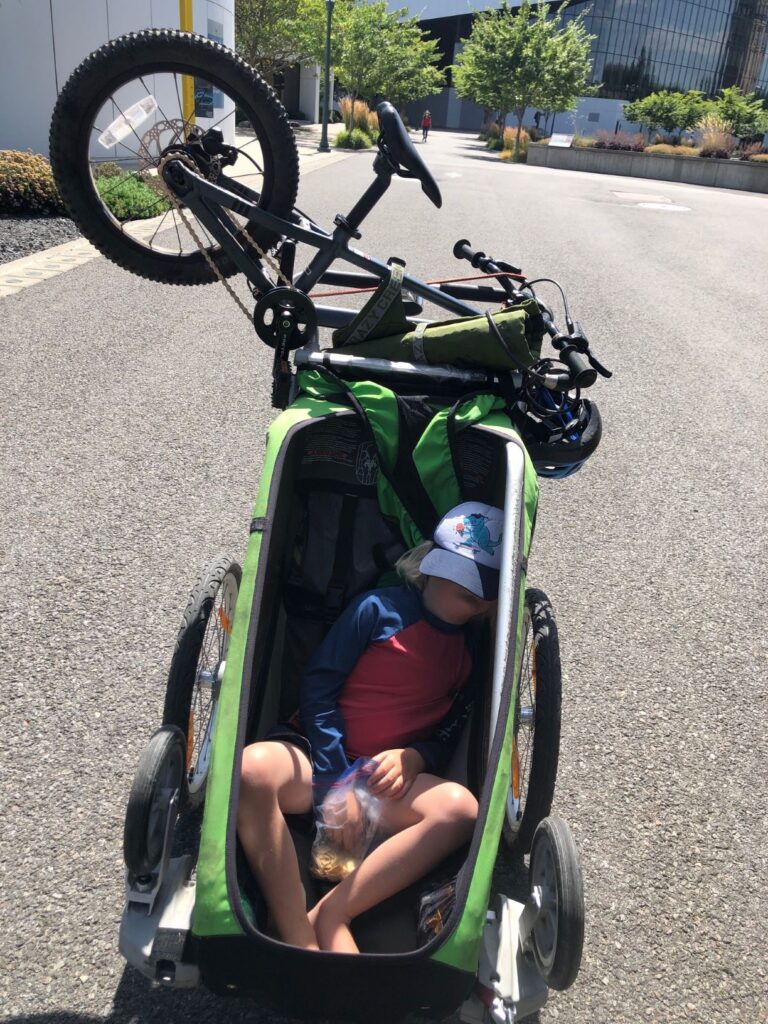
x: 582, y: 374
x: 463, y: 250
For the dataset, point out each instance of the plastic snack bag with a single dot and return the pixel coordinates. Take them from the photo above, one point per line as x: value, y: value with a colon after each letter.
x: 435, y: 907
x: 346, y: 821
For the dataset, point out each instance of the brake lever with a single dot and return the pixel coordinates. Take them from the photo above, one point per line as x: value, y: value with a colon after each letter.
x: 597, y: 365
x: 578, y: 338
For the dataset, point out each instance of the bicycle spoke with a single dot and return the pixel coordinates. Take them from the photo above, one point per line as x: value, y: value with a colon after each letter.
x: 158, y: 228
x: 181, y: 247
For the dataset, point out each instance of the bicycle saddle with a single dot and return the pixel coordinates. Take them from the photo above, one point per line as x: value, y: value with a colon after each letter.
x: 395, y: 141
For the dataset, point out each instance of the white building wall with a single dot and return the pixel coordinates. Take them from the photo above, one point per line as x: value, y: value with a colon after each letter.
x: 43, y: 41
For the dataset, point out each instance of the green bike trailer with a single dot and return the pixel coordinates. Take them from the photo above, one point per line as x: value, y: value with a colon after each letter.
x: 204, y: 921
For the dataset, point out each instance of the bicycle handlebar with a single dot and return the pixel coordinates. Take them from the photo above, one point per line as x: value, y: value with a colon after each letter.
x: 572, y: 348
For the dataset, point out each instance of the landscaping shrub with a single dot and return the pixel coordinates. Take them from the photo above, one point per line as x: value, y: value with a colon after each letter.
x: 357, y: 117
x: 620, y: 140
x: 750, y: 150
x: 27, y: 185
x: 664, y: 147
x: 495, y: 143
x: 508, y: 143
x: 130, y: 197
x: 584, y: 141
x: 356, y: 139
x: 760, y: 158
x: 360, y: 114
x: 717, y: 145
x: 712, y: 122
x: 346, y: 106
x: 360, y: 139
x: 109, y: 169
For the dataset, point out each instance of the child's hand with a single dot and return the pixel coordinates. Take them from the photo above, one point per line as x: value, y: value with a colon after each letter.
x: 344, y: 822
x: 396, y: 772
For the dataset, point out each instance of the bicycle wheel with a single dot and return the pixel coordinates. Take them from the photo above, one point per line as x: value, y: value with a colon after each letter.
x: 536, y: 740
x: 159, y: 775
x: 148, y: 94
x: 557, y: 939
x: 197, y: 668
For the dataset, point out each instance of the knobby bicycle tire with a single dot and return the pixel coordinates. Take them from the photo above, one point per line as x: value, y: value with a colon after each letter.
x: 144, y: 53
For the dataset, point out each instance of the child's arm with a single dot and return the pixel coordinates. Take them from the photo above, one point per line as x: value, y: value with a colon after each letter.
x: 437, y: 750
x: 326, y: 673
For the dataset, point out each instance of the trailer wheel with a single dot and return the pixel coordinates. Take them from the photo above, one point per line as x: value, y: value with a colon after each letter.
x: 158, y: 777
x: 536, y: 738
x: 197, y: 668
x: 557, y: 938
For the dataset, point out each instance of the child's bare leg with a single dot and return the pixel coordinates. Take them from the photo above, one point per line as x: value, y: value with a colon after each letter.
x: 433, y: 819
x: 276, y: 779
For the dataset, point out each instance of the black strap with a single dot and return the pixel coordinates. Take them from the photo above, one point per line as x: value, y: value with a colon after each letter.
x: 410, y: 491
x: 414, y: 414
x: 342, y: 557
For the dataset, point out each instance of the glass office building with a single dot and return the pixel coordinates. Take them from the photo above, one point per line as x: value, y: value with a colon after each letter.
x: 645, y: 45
x: 640, y: 46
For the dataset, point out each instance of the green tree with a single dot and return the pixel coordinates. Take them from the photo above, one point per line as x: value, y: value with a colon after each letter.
x: 515, y: 60
x: 273, y: 35
x: 745, y: 115
x: 672, y: 111
x: 382, y: 53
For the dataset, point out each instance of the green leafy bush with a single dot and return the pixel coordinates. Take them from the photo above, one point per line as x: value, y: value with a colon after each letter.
x: 356, y: 139
x: 360, y: 139
x: 495, y: 143
x: 27, y: 185
x: 130, y: 197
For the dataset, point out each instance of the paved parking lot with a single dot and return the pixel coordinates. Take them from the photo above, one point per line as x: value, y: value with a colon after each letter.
x: 134, y: 419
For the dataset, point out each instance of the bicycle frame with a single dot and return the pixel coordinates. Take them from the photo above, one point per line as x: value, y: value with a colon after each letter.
x: 206, y: 199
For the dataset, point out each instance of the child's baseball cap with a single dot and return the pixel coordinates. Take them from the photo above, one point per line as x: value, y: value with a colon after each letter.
x: 468, y: 548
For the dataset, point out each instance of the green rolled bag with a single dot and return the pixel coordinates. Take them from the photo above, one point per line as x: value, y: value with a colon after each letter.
x: 381, y: 330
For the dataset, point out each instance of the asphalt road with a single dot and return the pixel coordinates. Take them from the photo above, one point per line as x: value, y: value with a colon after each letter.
x: 133, y: 427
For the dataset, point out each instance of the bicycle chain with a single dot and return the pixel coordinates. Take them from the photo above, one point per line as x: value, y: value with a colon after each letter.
x: 263, y: 254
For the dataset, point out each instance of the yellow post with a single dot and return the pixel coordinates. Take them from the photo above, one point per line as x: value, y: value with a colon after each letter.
x: 187, y: 81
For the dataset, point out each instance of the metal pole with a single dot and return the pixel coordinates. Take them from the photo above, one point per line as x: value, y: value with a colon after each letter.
x: 324, y: 147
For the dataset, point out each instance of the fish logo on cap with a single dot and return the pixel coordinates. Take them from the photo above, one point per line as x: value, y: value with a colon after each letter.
x: 474, y: 533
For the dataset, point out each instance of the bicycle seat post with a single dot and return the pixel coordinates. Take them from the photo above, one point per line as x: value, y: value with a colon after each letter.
x: 369, y: 198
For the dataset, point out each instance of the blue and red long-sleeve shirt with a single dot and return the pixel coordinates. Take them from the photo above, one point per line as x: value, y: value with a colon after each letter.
x: 389, y: 674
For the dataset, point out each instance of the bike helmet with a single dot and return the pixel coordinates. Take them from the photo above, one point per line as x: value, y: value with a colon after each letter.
x: 560, y: 431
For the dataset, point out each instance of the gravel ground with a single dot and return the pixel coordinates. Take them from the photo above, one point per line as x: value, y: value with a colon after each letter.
x: 135, y: 422
x: 21, y: 236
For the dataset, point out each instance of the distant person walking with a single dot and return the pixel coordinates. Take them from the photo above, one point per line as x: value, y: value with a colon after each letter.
x: 426, y: 124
